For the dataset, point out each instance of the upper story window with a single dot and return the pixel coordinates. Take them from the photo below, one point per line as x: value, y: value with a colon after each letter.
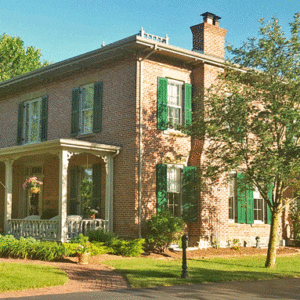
x: 87, y: 109
x: 174, y: 104
x: 33, y: 121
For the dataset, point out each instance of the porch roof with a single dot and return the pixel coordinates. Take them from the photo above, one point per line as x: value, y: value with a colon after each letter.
x: 55, y: 146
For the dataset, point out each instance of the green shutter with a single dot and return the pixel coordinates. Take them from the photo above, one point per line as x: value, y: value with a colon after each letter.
x: 97, y: 185
x: 269, y: 213
x: 162, y: 108
x: 250, y: 205
x: 188, y: 104
x: 44, y: 119
x: 20, y: 124
x: 241, y: 199
x: 75, y: 111
x: 97, y: 115
x: 73, y: 190
x: 189, y: 194
x: 161, y: 187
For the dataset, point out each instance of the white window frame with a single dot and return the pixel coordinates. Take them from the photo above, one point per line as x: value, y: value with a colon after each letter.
x: 82, y: 120
x: 232, y: 193
x: 28, y: 121
x: 257, y: 196
x: 172, y: 105
x: 178, y: 190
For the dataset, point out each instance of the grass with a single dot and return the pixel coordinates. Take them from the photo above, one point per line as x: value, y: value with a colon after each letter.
x: 16, y: 277
x: 146, y: 272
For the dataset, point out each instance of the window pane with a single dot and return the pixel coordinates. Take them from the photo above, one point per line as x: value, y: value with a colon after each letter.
x: 87, y: 118
x: 32, y: 116
x: 173, y: 180
x: 87, y: 97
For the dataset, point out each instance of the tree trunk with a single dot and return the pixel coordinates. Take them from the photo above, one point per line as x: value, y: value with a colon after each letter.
x: 271, y: 256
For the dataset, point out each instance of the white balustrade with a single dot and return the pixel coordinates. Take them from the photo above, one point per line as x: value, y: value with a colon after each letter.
x: 153, y: 37
x: 48, y: 229
x: 39, y: 229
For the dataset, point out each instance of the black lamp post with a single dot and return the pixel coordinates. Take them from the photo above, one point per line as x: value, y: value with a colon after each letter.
x: 184, y: 273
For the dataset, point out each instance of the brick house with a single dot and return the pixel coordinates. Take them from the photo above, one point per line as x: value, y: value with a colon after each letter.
x: 111, y: 116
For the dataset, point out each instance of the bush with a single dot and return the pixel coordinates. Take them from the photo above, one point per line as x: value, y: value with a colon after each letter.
x: 116, y: 245
x: 96, y: 248
x: 128, y: 248
x: 102, y: 236
x: 161, y: 230
x: 30, y: 248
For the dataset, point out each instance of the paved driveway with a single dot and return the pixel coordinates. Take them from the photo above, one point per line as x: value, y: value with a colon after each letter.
x: 258, y: 290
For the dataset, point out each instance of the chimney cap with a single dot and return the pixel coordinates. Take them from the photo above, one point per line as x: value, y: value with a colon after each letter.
x: 210, y: 15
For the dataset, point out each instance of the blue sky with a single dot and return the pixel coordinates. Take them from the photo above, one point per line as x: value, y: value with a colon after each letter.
x: 66, y: 28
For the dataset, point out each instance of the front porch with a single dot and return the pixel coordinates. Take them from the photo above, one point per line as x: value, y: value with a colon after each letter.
x: 59, y: 164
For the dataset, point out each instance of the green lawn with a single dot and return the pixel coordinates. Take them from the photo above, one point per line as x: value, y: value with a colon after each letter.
x: 146, y: 272
x: 15, y: 276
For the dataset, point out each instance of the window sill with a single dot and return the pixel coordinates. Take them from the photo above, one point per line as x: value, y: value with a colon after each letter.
x: 175, y: 133
x: 85, y: 135
x: 234, y: 224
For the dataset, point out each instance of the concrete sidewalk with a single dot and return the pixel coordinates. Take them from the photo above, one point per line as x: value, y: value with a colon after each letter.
x: 259, y: 290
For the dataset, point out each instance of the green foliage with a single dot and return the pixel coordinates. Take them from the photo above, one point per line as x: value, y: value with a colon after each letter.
x: 251, y: 118
x: 86, y: 193
x: 96, y: 248
x: 115, y: 245
x: 30, y: 248
x: 161, y: 230
x: 102, y: 236
x: 236, y: 245
x: 15, y: 59
x: 84, y: 246
x: 295, y: 217
x: 128, y: 248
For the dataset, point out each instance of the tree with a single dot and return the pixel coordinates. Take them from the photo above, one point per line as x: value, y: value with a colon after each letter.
x: 15, y: 59
x: 251, y: 120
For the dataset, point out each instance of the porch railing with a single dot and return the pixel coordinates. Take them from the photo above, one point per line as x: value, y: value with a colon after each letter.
x: 39, y: 229
x: 48, y: 229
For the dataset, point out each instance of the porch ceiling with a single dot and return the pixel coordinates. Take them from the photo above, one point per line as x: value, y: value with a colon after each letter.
x: 56, y: 146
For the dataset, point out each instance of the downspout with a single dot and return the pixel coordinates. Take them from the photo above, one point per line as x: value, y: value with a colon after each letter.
x: 141, y: 141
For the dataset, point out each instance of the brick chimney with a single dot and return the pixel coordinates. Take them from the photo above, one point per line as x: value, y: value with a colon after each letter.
x: 208, y: 37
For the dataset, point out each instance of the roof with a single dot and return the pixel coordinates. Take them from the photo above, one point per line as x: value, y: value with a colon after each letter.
x: 132, y: 44
x: 55, y: 146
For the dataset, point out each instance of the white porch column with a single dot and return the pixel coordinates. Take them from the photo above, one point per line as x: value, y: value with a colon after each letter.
x: 8, y: 193
x: 109, y: 192
x: 64, y: 157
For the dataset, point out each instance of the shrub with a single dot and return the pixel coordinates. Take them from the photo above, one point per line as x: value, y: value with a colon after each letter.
x: 95, y: 248
x: 128, y: 248
x: 30, y: 248
x: 236, y: 245
x: 116, y: 245
x: 161, y: 230
x: 102, y: 236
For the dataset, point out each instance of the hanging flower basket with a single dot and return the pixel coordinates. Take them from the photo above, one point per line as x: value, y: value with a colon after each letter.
x: 34, y: 190
x: 33, y: 185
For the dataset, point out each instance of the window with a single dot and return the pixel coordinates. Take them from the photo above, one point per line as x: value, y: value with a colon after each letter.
x: 174, y: 104
x: 176, y: 190
x: 92, y: 174
x: 245, y: 203
x: 33, y: 121
x: 258, y: 207
x: 232, y: 197
x: 87, y: 109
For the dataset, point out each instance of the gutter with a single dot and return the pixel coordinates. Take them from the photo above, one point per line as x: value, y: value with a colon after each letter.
x: 140, y: 164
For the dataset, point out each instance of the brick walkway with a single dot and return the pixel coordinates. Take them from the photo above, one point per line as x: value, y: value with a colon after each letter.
x: 82, y: 278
